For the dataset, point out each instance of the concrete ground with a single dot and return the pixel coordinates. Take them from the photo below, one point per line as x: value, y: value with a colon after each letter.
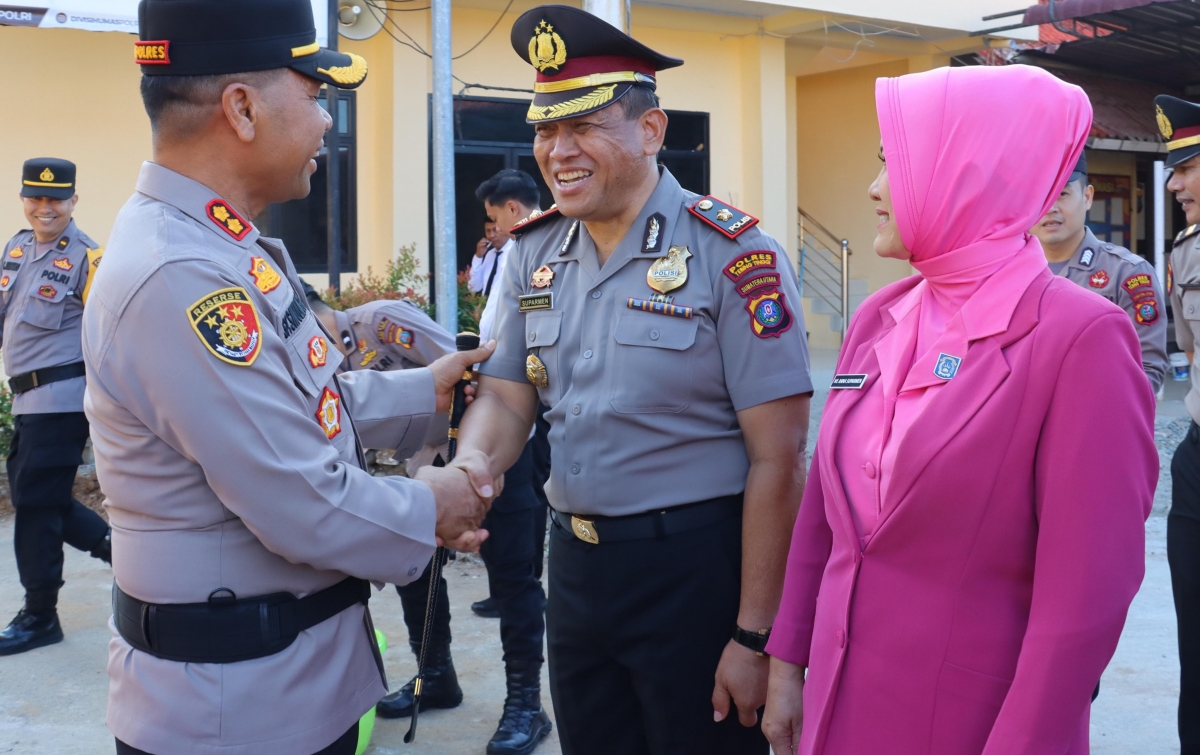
x: 52, y: 700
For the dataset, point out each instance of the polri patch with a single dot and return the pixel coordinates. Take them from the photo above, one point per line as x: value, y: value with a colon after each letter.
x: 946, y: 366
x: 765, y: 280
x: 1099, y: 279
x: 265, y: 277
x: 227, y: 324
x: 851, y: 382
x: 531, y: 302
x: 748, y: 263
x: 225, y: 218
x: 660, y: 308
x: 329, y: 413
x: 318, y: 351
x: 769, y: 315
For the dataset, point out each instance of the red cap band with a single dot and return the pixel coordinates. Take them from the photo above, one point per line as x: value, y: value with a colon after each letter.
x: 1185, y: 132
x: 585, y: 66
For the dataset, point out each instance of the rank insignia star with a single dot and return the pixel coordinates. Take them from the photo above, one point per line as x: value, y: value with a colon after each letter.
x: 228, y: 326
x: 265, y: 277
x: 329, y: 413
x: 225, y: 218
x: 63, y: 264
x: 318, y: 351
x: 727, y: 219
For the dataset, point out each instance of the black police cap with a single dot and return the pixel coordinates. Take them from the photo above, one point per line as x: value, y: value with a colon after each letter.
x: 212, y: 37
x: 48, y: 177
x: 1179, y: 122
x: 1081, y: 171
x: 583, y: 63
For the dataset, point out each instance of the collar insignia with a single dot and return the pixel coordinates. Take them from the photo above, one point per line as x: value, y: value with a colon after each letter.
x: 227, y: 219
x: 652, y: 240
x: 63, y: 243
x: 1085, y: 259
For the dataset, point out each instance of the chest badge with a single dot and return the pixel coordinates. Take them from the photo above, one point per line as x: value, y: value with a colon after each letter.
x: 4, y: 281
x: 669, y: 273
x: 47, y: 292
x: 318, y: 351
x: 265, y: 277
x: 17, y: 253
x: 542, y: 277
x: 62, y: 263
x: 329, y: 413
x: 228, y: 325
x: 535, y: 371
x: 947, y: 366
x: 1099, y: 279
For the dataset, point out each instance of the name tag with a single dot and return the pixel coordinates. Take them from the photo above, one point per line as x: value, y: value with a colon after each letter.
x: 848, y: 382
x: 531, y: 302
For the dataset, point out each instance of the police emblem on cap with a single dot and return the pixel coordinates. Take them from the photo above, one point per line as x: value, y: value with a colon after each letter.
x: 546, y: 49
x: 46, y: 175
x: 1164, y: 123
x: 1179, y: 122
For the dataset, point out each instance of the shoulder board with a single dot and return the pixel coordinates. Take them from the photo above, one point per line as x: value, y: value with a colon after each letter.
x: 534, y: 220
x: 727, y: 219
x: 1187, y: 233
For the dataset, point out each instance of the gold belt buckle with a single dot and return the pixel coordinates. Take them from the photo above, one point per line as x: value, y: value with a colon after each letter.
x: 584, y: 530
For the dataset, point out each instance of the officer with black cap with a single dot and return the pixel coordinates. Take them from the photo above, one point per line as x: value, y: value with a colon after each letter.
x: 43, y: 285
x: 246, y: 530
x: 663, y: 332
x: 1112, y: 271
x: 1179, y: 122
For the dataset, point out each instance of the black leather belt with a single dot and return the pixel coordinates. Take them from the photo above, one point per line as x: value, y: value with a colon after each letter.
x: 608, y: 529
x: 31, y: 380
x: 229, y: 630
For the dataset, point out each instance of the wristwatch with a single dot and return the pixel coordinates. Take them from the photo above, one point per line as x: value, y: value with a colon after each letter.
x: 756, y: 641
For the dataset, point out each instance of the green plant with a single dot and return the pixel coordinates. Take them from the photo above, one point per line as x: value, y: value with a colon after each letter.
x: 6, y: 422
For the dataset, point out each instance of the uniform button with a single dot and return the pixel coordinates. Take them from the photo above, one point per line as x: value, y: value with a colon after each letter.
x: 869, y: 468
x: 412, y: 572
x: 595, y: 294
x: 532, y: 335
x: 654, y: 335
x: 841, y: 638
x: 575, y: 469
x: 587, y: 354
x: 575, y: 409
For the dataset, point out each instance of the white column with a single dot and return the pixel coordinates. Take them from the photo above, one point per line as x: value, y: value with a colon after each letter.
x: 446, y: 263
x: 616, y: 12
x: 1160, y: 223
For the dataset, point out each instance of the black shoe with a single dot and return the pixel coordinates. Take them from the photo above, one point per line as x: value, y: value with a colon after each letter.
x: 28, y: 631
x: 524, y: 723
x: 486, y: 608
x: 103, y: 550
x: 440, y: 689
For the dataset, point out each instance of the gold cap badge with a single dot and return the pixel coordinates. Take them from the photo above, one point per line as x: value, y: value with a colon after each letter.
x: 547, y: 49
x: 47, y: 175
x: 1164, y: 123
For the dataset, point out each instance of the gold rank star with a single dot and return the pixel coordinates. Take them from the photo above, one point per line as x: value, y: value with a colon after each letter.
x: 210, y: 321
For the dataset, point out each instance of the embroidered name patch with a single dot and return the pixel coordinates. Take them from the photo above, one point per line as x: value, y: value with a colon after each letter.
x: 265, y: 277
x: 329, y: 413
x: 758, y: 281
x: 946, y: 366
x: 660, y: 308
x: 295, y: 314
x: 227, y: 220
x: 769, y: 315
x: 152, y: 52
x: 748, y: 263
x: 531, y: 302
x: 848, y: 382
x: 227, y: 324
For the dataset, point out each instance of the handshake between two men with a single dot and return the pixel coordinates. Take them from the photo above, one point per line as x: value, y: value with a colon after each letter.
x: 465, y: 488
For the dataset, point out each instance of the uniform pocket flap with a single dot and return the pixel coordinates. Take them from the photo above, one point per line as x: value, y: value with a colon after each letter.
x: 44, y: 313
x: 314, y: 357
x: 656, y: 331
x: 1191, y: 305
x: 541, y: 328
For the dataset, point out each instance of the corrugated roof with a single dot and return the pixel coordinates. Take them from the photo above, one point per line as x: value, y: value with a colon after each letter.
x: 1122, y: 109
x: 1063, y: 10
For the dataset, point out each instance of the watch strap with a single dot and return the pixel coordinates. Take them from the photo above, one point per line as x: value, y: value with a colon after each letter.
x: 756, y: 641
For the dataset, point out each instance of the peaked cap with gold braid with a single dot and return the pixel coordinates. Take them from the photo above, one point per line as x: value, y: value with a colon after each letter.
x: 48, y: 177
x: 583, y: 63
x: 212, y: 37
x: 1179, y: 123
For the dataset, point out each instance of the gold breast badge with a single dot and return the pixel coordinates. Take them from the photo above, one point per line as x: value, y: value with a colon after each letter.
x: 542, y: 277
x: 670, y: 272
x: 535, y: 372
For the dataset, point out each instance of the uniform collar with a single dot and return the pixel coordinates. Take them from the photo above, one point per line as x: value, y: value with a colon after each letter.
x: 70, y: 232
x: 1082, y: 260
x: 197, y: 201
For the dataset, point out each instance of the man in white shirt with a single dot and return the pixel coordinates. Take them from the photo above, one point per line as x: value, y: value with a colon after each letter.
x: 483, y: 264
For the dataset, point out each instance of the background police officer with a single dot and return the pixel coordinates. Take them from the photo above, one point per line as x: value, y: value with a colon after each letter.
x: 1179, y: 122
x: 1112, y: 271
x: 43, y: 284
x: 244, y: 524
x: 662, y: 331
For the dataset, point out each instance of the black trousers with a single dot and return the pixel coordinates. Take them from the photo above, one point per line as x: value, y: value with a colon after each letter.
x: 46, y: 452
x: 635, y: 630
x: 1183, y: 556
x: 347, y: 744
x: 541, y: 476
x: 510, y: 556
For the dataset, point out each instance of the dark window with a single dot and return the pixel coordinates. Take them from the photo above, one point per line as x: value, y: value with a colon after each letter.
x: 491, y: 134
x: 301, y: 223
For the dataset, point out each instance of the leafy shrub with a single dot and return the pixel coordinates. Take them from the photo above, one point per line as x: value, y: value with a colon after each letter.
x: 6, y: 422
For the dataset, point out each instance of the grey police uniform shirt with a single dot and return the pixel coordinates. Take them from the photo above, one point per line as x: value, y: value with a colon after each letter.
x: 642, y: 405
x: 391, y: 335
x: 227, y: 449
x: 41, y: 303
x: 1130, y: 282
x: 1185, y: 302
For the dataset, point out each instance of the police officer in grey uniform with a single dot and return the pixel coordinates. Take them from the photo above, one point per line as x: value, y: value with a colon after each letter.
x: 43, y: 284
x: 663, y: 331
x: 1179, y: 122
x: 244, y: 525
x: 1112, y: 271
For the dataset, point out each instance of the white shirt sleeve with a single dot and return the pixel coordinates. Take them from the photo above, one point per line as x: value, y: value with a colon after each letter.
x: 480, y: 267
x: 488, y: 317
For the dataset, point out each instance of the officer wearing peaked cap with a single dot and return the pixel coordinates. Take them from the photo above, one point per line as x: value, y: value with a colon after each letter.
x: 1112, y: 271
x: 244, y: 523
x: 47, y: 269
x: 663, y: 332
x: 1179, y: 122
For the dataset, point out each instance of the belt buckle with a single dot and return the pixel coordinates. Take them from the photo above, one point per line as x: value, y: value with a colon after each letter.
x: 584, y: 530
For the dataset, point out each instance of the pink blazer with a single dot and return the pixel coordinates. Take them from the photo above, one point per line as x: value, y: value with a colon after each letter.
x: 984, y: 609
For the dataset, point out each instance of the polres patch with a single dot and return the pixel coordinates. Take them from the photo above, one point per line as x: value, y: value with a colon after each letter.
x: 769, y: 315
x: 329, y: 413
x: 228, y: 325
x: 1134, y: 282
x: 745, y: 264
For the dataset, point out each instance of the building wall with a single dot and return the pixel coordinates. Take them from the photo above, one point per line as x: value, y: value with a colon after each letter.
x: 1104, y: 163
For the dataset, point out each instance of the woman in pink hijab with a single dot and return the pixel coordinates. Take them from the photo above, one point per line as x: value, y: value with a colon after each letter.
x: 972, y: 531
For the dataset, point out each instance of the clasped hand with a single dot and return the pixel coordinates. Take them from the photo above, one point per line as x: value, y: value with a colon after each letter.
x: 464, y: 491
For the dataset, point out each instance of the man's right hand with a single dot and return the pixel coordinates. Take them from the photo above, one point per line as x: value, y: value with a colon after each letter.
x: 481, y: 247
x: 449, y: 369
x: 463, y: 494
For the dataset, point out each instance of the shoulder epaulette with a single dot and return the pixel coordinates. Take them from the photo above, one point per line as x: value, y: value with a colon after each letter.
x: 1187, y: 233
x: 729, y: 220
x: 534, y: 220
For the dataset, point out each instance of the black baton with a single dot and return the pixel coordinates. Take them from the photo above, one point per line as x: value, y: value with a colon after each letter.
x: 458, y: 405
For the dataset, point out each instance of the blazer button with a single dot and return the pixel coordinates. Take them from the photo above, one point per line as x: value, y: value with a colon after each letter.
x: 841, y: 638
x: 869, y: 468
